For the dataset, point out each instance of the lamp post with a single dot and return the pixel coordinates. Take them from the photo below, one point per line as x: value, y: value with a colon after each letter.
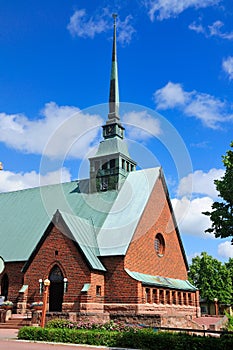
x: 41, y: 285
x: 65, y: 281
x: 45, y: 299
x: 216, y: 306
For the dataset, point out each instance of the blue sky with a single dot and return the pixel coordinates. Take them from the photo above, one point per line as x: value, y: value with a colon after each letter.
x: 175, y: 64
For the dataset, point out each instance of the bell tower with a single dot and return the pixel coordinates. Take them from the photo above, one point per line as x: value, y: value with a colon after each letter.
x: 111, y: 163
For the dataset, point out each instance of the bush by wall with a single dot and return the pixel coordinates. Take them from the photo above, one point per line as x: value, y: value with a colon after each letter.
x: 141, y: 339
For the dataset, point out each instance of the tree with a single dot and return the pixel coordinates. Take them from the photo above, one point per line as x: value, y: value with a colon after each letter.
x: 222, y: 212
x: 212, y: 278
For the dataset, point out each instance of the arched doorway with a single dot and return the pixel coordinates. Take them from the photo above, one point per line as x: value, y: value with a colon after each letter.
x: 56, y: 289
x: 5, y: 286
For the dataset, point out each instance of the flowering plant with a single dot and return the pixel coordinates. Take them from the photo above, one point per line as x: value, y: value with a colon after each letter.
x: 36, y: 303
x: 7, y: 303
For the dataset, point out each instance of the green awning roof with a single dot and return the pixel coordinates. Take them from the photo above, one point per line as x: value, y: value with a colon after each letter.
x: 85, y: 287
x: 164, y: 282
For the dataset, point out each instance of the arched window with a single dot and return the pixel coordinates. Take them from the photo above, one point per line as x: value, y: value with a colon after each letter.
x: 159, y: 244
x: 5, y: 286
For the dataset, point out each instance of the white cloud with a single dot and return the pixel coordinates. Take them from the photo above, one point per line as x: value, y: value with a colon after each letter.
x: 189, y: 215
x: 208, y: 109
x: 215, y: 29
x: 225, y: 250
x: 10, y: 181
x: 125, y: 30
x: 197, y: 27
x: 141, y: 125
x: 170, y: 96
x: 84, y: 26
x: 188, y: 211
x: 63, y: 129
x: 172, y: 8
x: 227, y: 66
x: 200, y: 183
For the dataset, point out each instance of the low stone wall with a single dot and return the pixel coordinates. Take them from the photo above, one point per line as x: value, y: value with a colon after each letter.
x: 147, y: 320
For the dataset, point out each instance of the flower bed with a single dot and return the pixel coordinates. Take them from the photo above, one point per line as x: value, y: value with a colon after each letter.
x: 37, y: 305
x: 7, y: 305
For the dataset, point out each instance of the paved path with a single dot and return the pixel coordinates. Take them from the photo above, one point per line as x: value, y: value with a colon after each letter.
x: 23, y: 345
x: 8, y: 341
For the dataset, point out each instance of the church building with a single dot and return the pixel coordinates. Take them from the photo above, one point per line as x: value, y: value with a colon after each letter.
x: 111, y: 248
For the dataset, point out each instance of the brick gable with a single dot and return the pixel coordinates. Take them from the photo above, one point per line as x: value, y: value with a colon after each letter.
x: 58, y: 249
x: 141, y: 255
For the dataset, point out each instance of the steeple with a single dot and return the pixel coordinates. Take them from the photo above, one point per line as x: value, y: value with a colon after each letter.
x: 113, y: 125
x: 113, y: 115
x: 111, y: 163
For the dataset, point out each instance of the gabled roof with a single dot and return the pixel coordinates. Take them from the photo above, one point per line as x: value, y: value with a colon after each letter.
x: 164, y: 282
x: 26, y: 214
x: 83, y: 233
x: 120, y: 224
x: 102, y: 224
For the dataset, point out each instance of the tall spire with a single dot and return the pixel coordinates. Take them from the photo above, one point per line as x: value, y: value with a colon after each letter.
x: 113, y: 115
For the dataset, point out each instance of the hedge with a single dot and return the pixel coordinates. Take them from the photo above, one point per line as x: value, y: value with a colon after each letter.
x: 143, y: 339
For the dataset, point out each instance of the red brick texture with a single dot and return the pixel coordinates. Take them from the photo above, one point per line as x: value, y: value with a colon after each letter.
x: 59, y: 249
x: 141, y: 255
x: 119, y: 286
x: 15, y: 277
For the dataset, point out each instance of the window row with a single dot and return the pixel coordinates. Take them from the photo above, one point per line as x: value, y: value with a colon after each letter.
x: 167, y: 296
x: 112, y: 163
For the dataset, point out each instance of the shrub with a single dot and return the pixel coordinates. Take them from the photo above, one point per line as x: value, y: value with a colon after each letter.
x: 229, y: 325
x: 108, y: 326
x: 141, y: 339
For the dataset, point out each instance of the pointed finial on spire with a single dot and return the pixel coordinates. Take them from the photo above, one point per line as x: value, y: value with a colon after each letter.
x: 113, y: 115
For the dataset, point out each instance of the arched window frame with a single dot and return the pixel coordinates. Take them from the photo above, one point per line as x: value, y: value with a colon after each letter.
x: 159, y: 244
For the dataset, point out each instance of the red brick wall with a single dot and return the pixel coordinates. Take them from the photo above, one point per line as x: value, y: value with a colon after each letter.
x: 70, y: 260
x: 141, y: 255
x: 119, y: 286
x: 15, y: 276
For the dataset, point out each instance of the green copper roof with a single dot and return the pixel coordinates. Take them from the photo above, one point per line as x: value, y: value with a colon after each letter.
x: 111, y: 146
x: 102, y: 223
x: 118, y: 229
x: 26, y: 214
x: 83, y: 233
x: 164, y: 282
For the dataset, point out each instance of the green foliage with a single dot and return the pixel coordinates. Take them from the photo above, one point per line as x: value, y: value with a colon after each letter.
x: 143, y: 339
x: 221, y: 215
x: 108, y: 326
x: 212, y: 278
x: 229, y: 325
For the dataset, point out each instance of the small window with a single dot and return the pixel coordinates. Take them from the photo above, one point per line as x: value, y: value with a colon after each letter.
x: 112, y: 163
x: 105, y: 166
x: 98, y: 290
x: 147, y: 295
x: 168, y: 301
x: 104, y: 184
x: 159, y: 244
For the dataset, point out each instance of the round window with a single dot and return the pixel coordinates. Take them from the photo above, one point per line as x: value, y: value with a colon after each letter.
x: 159, y: 244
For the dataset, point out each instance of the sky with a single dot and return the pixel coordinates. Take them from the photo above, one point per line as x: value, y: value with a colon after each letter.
x: 175, y: 68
